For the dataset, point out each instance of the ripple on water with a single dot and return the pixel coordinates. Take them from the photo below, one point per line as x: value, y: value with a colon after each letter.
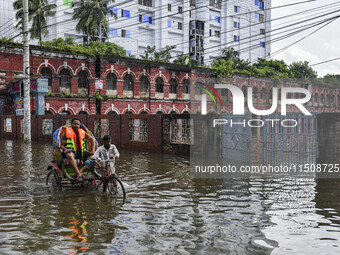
x: 166, y: 211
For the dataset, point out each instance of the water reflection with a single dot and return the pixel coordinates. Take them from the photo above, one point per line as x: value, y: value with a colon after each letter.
x: 167, y: 211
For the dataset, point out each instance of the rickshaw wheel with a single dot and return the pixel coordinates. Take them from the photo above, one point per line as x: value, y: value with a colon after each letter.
x: 115, y: 187
x: 53, y: 180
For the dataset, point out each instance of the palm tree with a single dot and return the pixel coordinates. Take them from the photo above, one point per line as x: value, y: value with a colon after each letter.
x: 38, y: 11
x: 92, y: 17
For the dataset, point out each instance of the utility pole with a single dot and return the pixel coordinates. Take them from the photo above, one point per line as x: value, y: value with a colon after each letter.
x: 27, y: 71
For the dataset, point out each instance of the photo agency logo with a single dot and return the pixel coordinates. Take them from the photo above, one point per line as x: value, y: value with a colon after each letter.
x: 239, y: 104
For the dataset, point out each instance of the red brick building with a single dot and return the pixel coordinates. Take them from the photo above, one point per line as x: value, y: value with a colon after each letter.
x: 132, y: 86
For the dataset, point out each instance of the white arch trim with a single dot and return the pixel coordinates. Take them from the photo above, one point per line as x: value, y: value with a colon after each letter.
x: 142, y: 109
x: 83, y: 68
x: 173, y: 110
x: 65, y: 66
x: 127, y: 109
x: 186, y: 110
x: 45, y: 65
x: 126, y: 72
x: 81, y: 109
x: 159, y: 110
x: 112, y: 110
x: 108, y: 71
x: 69, y: 109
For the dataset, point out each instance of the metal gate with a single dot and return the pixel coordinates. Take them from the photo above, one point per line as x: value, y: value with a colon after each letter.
x: 289, y: 145
x: 236, y: 138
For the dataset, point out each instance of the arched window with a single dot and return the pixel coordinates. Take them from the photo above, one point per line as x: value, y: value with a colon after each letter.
x: 198, y: 88
x: 186, y: 86
x: 113, y: 113
x: 83, y: 80
x: 245, y: 91
x: 111, y: 81
x: 322, y: 99
x: 144, y: 112
x: 159, y: 112
x: 316, y: 98
x: 159, y: 85
x: 128, y: 82
x: 173, y: 86
x: 128, y: 112
x: 46, y: 72
x: 255, y: 95
x: 65, y: 78
x: 328, y: 100
x: 224, y: 94
x: 144, y: 84
x: 333, y: 101
x: 82, y: 113
x: 263, y: 94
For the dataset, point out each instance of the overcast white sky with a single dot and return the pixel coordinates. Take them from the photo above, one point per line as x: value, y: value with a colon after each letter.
x: 321, y: 46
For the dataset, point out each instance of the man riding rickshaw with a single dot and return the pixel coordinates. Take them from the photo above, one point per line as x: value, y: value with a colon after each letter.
x: 74, y: 143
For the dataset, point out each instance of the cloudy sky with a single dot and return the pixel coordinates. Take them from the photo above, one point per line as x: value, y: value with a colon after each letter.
x: 322, y: 45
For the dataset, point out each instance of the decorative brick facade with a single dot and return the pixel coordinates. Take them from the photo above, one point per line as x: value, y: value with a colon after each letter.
x: 324, y: 99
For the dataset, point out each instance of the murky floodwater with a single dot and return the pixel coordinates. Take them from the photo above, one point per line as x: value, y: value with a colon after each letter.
x: 166, y: 211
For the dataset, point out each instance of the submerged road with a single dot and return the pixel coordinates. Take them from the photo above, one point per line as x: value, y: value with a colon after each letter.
x: 167, y: 211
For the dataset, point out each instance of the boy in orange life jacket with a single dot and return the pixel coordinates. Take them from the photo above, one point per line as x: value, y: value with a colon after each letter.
x: 73, y: 146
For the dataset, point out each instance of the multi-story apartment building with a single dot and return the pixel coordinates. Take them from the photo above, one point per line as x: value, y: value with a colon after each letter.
x: 199, y: 28
x: 7, y: 18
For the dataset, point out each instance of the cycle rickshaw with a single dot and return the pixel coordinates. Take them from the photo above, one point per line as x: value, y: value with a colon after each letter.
x: 61, y: 174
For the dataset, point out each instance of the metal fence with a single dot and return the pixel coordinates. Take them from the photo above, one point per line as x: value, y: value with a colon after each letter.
x: 289, y: 145
x: 236, y: 138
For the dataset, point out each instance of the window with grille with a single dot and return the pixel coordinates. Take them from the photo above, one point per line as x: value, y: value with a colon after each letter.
x: 65, y: 78
x: 322, y: 98
x: 159, y: 85
x: 111, y: 82
x: 47, y: 126
x: 181, y: 131
x: 8, y: 125
x: 128, y: 82
x: 173, y: 86
x: 261, y: 18
x: 83, y: 80
x: 47, y: 73
x: 198, y: 88
x: 316, y: 98
x: 145, y: 2
x: 144, y: 84
x: 138, y: 130
x: 186, y: 86
x: 263, y: 94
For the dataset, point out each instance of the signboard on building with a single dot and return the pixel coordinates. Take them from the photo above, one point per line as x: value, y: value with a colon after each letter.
x: 99, y: 84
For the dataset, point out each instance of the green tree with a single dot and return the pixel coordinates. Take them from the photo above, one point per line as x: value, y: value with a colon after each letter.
x: 92, y: 17
x: 164, y: 55
x: 148, y: 52
x: 38, y: 11
x: 229, y: 53
x: 272, y: 68
x: 184, y: 59
x: 301, y: 70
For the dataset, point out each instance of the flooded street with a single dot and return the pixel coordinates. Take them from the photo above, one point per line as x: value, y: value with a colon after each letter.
x: 166, y: 211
